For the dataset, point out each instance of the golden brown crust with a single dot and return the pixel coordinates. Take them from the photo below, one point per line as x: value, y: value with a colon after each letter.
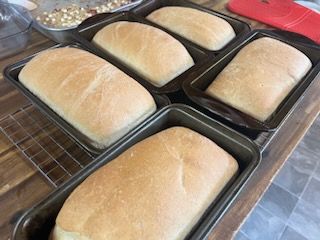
x: 157, y: 189
x: 88, y: 92
x: 260, y: 76
x: 202, y: 28
x: 151, y: 52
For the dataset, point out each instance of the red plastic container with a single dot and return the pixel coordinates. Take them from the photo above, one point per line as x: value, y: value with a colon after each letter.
x: 283, y: 14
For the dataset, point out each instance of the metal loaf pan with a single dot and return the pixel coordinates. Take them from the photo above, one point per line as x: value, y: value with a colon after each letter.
x: 85, y: 32
x: 241, y: 28
x: 38, y: 221
x: 194, y: 88
x: 11, y: 74
x: 63, y: 35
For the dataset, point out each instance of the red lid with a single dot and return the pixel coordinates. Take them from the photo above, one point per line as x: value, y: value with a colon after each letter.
x: 283, y: 14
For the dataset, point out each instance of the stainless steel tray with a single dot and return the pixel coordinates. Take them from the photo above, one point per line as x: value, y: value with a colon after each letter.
x: 62, y: 35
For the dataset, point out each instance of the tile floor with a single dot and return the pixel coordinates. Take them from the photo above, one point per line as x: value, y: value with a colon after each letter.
x: 290, y: 208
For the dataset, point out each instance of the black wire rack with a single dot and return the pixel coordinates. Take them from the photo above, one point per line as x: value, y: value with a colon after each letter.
x: 49, y: 149
x: 55, y: 154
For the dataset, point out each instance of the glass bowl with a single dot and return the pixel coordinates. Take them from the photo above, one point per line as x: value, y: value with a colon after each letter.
x: 15, y: 29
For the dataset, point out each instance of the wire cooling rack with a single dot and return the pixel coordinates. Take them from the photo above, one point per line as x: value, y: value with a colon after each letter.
x: 50, y: 150
x: 57, y: 156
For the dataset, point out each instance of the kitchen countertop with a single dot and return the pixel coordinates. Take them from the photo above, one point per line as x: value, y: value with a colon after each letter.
x: 22, y: 184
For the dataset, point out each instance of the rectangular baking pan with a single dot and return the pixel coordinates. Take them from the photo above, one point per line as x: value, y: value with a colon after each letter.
x: 62, y: 35
x: 240, y: 27
x: 194, y: 87
x: 11, y: 74
x: 86, y: 31
x: 38, y: 221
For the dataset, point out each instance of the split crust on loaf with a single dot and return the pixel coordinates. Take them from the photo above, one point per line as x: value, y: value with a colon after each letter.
x: 88, y: 92
x: 155, y: 55
x: 157, y: 189
x: 260, y: 76
x: 202, y: 28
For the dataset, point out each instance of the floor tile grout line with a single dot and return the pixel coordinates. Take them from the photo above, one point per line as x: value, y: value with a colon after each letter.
x: 266, y: 210
x: 310, y: 176
x: 315, y: 170
x: 295, y: 195
x: 246, y: 235
x: 314, y: 152
x: 300, y: 199
x: 305, y: 148
x: 293, y: 210
x: 283, y: 230
x: 285, y: 222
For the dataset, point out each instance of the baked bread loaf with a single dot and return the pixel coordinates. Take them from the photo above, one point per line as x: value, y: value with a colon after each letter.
x: 157, y: 189
x: 88, y: 92
x: 260, y: 76
x: 149, y: 51
x: 202, y: 28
